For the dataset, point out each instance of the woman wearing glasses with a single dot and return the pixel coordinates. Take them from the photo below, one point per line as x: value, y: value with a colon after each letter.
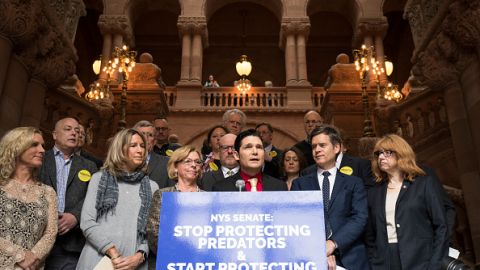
x: 115, y: 211
x: 184, y: 166
x: 407, y: 226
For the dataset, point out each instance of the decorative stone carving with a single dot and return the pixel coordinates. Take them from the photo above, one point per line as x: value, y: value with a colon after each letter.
x: 39, y: 38
x: 193, y: 25
x: 371, y: 27
x: 117, y: 24
x: 294, y: 26
x: 420, y: 14
x: 343, y: 74
x: 75, y: 10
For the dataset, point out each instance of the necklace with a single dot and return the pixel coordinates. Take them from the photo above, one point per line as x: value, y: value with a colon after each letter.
x: 177, y: 188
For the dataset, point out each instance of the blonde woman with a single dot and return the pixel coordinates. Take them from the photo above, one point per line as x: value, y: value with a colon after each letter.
x: 28, y: 208
x: 115, y: 211
x: 184, y: 166
x: 407, y: 226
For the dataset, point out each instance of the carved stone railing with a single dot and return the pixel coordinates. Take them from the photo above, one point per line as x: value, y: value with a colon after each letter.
x: 258, y: 97
x: 318, y: 95
x: 415, y: 119
x: 170, y: 93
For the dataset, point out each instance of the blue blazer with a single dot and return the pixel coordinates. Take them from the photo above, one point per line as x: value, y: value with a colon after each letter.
x: 348, y: 214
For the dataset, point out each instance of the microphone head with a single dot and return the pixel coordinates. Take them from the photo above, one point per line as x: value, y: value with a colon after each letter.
x: 240, y: 184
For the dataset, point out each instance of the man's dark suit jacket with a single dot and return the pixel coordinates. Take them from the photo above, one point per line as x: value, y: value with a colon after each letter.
x: 92, y: 158
x: 348, y: 214
x: 360, y: 168
x: 272, y: 167
x: 209, y: 179
x: 269, y: 183
x: 72, y: 241
x: 157, y: 170
x: 421, y: 225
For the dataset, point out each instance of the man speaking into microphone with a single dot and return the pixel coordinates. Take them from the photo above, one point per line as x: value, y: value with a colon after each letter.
x: 250, y: 155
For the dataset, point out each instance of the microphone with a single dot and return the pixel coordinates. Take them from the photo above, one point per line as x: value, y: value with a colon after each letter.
x: 240, y: 184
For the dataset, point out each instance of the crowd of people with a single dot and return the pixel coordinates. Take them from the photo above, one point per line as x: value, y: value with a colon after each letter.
x: 65, y: 209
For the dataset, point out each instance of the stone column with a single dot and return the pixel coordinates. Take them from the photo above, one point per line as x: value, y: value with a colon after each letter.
x: 75, y: 10
x: 32, y: 108
x: 186, y: 49
x: 193, y: 32
x: 290, y: 59
x: 5, y: 52
x: 199, y: 32
x: 11, y: 101
x: 117, y: 31
x: 302, y: 34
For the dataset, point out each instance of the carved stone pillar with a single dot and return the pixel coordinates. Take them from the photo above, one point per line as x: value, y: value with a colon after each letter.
x: 116, y: 30
x: 11, y: 101
x: 193, y: 32
x: 197, y: 53
x: 186, y: 49
x: 5, y: 52
x: 290, y: 59
x: 75, y: 10
x: 293, y: 36
x: 303, y: 31
x: 32, y: 109
x: 371, y: 33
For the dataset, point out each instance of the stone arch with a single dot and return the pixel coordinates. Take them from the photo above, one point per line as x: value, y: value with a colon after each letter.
x: 325, y: 43
x: 154, y: 25
x: 261, y: 44
x: 275, y: 6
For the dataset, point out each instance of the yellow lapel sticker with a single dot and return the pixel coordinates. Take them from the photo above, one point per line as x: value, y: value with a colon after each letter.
x: 84, y: 175
x: 169, y: 152
x: 346, y: 170
x: 213, y: 166
x: 272, y: 154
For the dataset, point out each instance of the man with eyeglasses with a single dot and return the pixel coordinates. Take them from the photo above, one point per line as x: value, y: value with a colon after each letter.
x: 344, y: 199
x: 250, y: 154
x: 162, y: 146
x: 311, y: 120
x: 227, y: 159
x: 234, y: 120
x: 156, y: 164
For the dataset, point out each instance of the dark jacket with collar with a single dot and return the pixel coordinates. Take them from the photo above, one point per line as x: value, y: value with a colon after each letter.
x: 360, y: 167
x: 347, y: 216
x: 157, y: 170
x: 210, y: 178
x: 420, y: 220
x: 75, y: 195
x: 272, y: 167
x: 269, y: 183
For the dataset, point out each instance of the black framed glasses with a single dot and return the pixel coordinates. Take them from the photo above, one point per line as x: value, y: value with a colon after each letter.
x: 385, y: 153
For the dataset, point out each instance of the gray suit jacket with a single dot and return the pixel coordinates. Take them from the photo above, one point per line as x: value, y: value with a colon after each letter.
x: 157, y: 170
x: 72, y: 241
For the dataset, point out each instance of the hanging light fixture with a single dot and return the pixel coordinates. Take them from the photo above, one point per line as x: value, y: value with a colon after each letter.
x: 388, y: 67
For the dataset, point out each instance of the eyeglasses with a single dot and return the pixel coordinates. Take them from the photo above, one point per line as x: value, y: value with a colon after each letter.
x: 191, y: 162
x: 226, y: 148
x: 386, y: 153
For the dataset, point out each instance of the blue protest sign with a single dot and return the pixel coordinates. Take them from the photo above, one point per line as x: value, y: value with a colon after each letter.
x: 242, y: 231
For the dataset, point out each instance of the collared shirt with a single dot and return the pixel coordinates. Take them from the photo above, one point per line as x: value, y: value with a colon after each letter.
x: 148, y: 158
x: 268, y: 148
x: 331, y: 178
x: 339, y: 160
x: 246, y: 177
x: 63, y: 169
x: 225, y: 171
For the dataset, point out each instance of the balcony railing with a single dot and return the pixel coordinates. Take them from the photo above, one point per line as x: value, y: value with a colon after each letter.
x: 262, y: 97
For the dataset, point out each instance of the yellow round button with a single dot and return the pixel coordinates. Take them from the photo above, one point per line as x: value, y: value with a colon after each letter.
x: 84, y: 175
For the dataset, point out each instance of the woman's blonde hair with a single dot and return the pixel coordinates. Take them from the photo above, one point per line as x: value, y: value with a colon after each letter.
x: 179, y: 155
x: 116, y: 159
x: 12, y: 146
x: 403, y: 152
